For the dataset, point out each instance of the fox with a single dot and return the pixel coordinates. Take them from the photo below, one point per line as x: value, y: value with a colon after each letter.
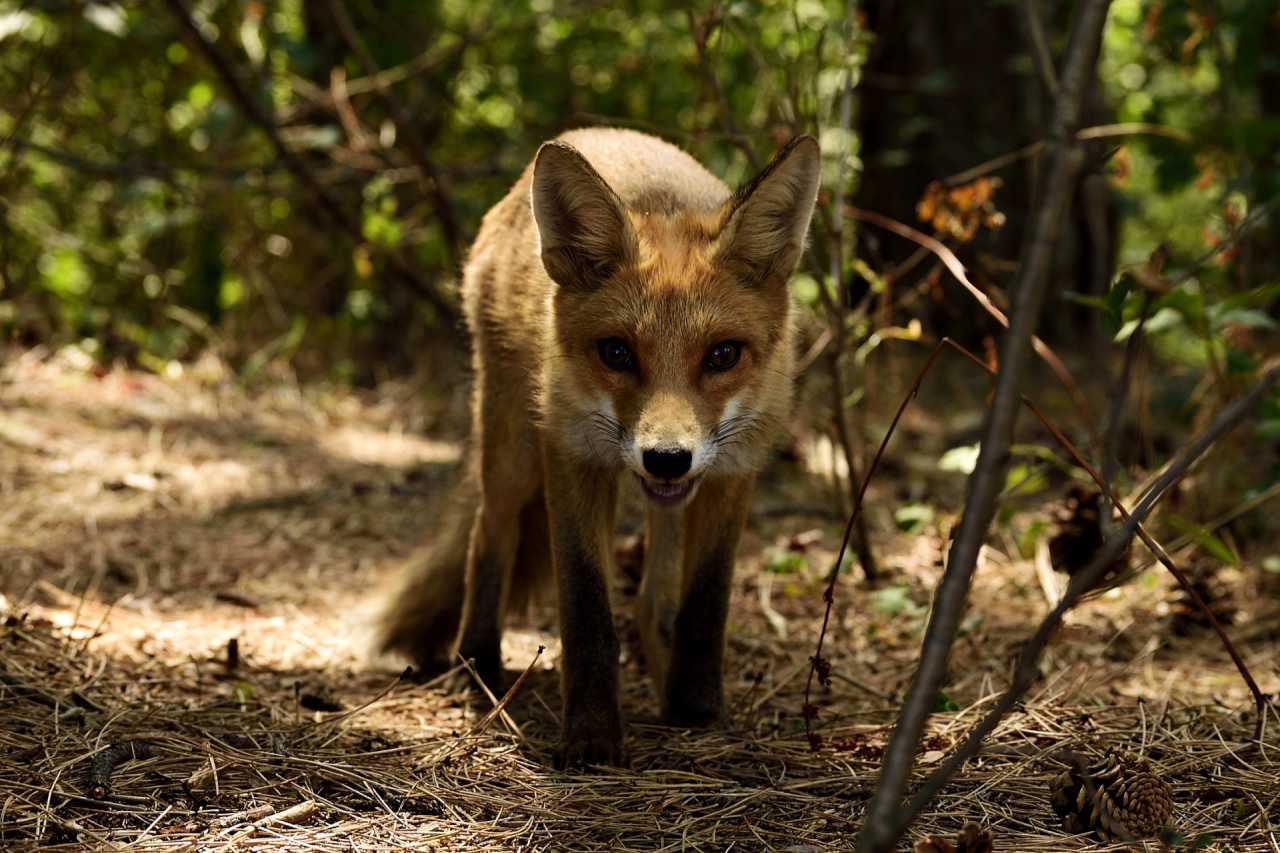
x: 630, y: 316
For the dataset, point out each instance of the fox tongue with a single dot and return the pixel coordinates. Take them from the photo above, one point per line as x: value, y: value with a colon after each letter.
x: 666, y: 493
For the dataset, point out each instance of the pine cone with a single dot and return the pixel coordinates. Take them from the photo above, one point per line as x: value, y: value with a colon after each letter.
x: 1117, y: 799
x: 973, y: 839
x: 1079, y: 537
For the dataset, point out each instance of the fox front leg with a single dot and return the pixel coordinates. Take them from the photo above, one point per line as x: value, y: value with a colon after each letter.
x: 713, y: 526
x: 660, y: 591
x: 581, y: 509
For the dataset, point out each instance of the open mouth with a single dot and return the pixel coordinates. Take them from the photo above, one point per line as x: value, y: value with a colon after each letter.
x: 667, y: 493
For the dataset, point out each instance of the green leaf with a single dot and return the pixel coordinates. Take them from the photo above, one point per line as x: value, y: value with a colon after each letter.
x: 942, y: 703
x: 1024, y: 481
x: 1113, y: 307
x: 1239, y: 362
x: 242, y: 693
x: 1251, y: 319
x: 1027, y: 541
x: 784, y: 561
x: 893, y: 600
x: 1184, y: 301
x: 913, y: 518
x: 1091, y: 301
x: 1206, y: 540
x: 960, y: 459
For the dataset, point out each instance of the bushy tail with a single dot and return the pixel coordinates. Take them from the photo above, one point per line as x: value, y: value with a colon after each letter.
x: 423, y: 606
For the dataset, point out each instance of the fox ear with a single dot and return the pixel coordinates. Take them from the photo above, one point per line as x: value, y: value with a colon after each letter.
x: 765, y: 222
x: 583, y: 230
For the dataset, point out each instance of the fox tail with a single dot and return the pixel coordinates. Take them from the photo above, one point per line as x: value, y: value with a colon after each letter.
x: 422, y: 607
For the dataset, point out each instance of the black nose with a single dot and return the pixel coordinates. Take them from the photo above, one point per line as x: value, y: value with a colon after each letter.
x: 668, y: 464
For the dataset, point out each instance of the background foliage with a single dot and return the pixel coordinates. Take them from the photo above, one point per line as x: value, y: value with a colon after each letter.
x: 146, y: 214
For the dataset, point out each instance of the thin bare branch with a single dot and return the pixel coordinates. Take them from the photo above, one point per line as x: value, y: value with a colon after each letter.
x: 19, y: 121
x: 334, y: 208
x: 829, y: 594
x: 701, y: 31
x: 456, y: 236
x: 837, y: 196
x: 832, y: 306
x: 1100, y: 131
x: 1111, y: 442
x: 1063, y: 159
x: 1040, y: 48
x: 953, y: 265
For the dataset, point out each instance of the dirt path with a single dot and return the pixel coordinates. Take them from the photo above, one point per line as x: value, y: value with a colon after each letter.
x: 148, y: 522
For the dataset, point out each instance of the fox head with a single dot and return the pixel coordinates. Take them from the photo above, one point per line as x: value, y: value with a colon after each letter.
x: 671, y: 324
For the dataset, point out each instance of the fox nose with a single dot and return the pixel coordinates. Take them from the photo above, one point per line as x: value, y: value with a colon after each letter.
x: 669, y: 463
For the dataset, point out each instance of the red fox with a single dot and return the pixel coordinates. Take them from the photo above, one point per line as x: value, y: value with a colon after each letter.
x: 630, y: 316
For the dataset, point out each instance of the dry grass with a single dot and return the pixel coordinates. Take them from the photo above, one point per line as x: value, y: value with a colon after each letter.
x: 145, y: 523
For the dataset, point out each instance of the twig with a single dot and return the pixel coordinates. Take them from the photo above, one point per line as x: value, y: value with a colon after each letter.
x: 1040, y: 48
x: 1159, y: 553
x: 340, y: 215
x: 422, y: 63
x: 1230, y: 515
x: 469, y: 663
x: 1111, y: 441
x: 828, y: 595
x: 1231, y: 100
x: 501, y: 705
x: 1238, y: 233
x: 1096, y: 132
x: 22, y: 691
x: 835, y: 314
x: 346, y: 112
x: 456, y: 237
x: 135, y: 168
x: 953, y: 265
x: 408, y: 671
x: 1027, y: 668
x: 884, y: 822
x: 701, y: 31
x: 109, y: 759
x: 865, y: 687
x: 439, y: 54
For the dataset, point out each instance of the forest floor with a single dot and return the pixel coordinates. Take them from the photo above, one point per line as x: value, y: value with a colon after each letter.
x: 187, y: 573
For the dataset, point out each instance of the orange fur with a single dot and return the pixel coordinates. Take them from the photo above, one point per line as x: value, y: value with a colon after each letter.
x: 630, y: 316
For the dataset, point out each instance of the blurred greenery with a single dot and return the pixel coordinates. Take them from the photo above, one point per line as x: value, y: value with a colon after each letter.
x: 145, y: 215
x: 132, y: 182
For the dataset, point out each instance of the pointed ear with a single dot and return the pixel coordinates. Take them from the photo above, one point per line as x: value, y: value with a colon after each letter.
x: 766, y: 221
x: 583, y: 230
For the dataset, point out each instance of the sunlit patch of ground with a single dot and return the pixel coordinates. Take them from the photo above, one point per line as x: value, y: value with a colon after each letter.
x: 145, y: 523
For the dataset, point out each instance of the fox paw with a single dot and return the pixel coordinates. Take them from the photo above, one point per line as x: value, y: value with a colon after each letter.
x: 599, y: 751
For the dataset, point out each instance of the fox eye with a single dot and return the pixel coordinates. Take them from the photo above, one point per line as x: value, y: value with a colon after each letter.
x: 724, y: 355
x: 615, y: 353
